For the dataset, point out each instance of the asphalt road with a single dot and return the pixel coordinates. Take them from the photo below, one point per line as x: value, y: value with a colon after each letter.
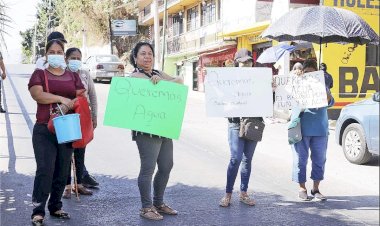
x: 197, y: 180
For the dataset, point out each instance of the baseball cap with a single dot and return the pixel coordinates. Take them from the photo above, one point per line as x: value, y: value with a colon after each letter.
x: 243, y: 55
x: 56, y: 35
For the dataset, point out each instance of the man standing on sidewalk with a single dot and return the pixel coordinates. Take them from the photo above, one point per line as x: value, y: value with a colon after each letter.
x: 3, y: 76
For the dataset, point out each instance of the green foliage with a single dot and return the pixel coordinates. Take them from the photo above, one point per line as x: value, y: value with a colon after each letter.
x: 4, y: 22
x: 73, y: 17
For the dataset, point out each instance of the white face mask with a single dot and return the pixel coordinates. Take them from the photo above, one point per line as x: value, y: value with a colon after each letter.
x: 56, y: 61
x: 74, y: 65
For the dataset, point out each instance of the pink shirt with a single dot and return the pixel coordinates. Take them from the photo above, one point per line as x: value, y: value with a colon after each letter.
x: 65, y: 85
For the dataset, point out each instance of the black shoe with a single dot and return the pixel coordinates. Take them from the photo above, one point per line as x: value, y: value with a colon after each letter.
x: 2, y: 110
x: 89, y: 181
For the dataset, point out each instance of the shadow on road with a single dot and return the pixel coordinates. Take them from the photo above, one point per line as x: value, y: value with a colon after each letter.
x: 117, y: 202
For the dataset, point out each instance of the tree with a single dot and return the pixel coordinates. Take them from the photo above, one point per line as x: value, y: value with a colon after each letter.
x: 5, y: 20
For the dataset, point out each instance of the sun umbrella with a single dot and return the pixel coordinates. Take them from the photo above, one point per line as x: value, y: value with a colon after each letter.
x: 322, y: 24
x: 274, y: 53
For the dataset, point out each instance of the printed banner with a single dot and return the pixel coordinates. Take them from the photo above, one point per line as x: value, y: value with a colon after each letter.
x: 239, y: 92
x: 304, y: 91
x: 137, y: 104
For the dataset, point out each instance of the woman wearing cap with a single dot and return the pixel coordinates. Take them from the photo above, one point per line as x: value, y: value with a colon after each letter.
x: 154, y: 150
x: 241, y: 150
x: 41, y: 62
x: 315, y: 131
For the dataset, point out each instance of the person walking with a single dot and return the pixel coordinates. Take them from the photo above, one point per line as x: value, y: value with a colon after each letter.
x: 154, y: 150
x: 3, y: 75
x: 74, y: 63
x: 48, y: 88
x: 315, y: 131
x: 241, y: 149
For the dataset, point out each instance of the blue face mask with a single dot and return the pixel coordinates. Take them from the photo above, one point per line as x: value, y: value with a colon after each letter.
x: 74, y: 65
x: 56, y: 61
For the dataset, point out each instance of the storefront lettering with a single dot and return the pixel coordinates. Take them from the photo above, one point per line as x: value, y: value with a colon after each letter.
x: 348, y: 53
x: 349, y: 77
x: 369, y: 4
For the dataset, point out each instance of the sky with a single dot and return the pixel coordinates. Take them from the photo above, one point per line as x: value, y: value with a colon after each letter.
x: 23, y: 15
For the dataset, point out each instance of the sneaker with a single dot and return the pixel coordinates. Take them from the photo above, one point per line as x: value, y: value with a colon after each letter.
x: 302, y: 195
x: 89, y: 181
x: 2, y: 110
x: 318, y: 196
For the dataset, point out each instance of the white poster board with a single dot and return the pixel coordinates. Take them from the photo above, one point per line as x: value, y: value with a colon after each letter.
x: 301, y: 91
x: 239, y: 92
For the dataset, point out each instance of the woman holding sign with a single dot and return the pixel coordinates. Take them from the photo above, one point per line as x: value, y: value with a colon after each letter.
x: 315, y: 131
x: 241, y: 149
x: 153, y: 149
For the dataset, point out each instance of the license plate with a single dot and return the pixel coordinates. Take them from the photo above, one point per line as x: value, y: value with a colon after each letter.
x: 110, y: 74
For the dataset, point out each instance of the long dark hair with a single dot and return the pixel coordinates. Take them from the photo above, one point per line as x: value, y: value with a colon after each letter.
x: 136, y: 49
x: 51, y: 42
x: 69, y: 51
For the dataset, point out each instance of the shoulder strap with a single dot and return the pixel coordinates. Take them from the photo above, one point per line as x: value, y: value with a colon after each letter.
x: 46, y: 82
x: 47, y: 88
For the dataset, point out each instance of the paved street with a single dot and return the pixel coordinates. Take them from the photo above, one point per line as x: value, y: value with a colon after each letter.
x: 197, y: 180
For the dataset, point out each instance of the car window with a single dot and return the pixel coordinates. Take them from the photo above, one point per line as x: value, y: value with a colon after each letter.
x: 109, y: 58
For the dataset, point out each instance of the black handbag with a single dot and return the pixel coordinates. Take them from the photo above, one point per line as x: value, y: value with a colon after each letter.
x: 251, y: 128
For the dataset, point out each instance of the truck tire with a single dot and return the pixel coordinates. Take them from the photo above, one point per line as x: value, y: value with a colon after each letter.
x: 354, y: 144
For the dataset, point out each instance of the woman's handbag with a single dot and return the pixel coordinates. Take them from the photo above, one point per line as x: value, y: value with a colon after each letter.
x: 294, y: 131
x: 251, y: 128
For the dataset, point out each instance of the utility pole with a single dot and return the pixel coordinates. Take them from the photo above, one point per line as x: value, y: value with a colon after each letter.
x: 156, y: 34
x: 110, y: 25
x: 49, y: 18
x: 164, y: 34
x: 84, y: 43
x: 34, y: 43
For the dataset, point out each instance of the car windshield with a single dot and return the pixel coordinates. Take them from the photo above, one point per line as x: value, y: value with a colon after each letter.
x: 107, y: 58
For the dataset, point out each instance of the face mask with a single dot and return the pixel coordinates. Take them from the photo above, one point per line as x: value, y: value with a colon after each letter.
x: 74, y: 65
x: 56, y: 61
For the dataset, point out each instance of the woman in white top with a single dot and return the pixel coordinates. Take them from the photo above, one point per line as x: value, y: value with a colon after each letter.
x: 74, y: 63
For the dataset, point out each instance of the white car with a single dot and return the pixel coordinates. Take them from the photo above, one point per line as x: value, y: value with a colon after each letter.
x: 104, y: 67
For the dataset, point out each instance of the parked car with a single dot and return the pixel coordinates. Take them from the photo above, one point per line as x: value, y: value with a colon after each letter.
x: 104, y: 67
x: 357, y: 130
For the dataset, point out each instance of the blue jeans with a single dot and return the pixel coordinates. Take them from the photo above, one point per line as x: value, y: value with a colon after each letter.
x: 241, y: 152
x: 318, y: 149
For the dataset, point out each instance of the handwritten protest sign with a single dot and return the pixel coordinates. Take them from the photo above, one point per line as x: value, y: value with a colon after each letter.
x: 239, y: 92
x: 304, y: 91
x: 139, y: 105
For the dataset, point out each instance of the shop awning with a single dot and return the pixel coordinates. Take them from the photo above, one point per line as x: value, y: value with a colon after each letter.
x: 256, y: 28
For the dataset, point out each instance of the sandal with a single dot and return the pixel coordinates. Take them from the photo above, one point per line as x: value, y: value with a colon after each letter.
x: 225, y: 201
x: 150, y: 214
x: 67, y: 193
x: 83, y: 191
x: 247, y: 200
x: 60, y: 214
x: 166, y: 209
x: 38, y: 220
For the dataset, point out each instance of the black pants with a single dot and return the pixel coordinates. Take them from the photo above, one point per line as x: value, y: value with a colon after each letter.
x: 53, y: 160
x: 79, y: 165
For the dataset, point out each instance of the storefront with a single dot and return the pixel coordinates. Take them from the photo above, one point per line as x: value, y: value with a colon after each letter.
x: 212, y: 58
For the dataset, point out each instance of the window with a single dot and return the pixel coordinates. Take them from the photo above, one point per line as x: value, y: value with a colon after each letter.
x: 372, y: 55
x: 177, y: 25
x: 208, y: 12
x: 192, y: 17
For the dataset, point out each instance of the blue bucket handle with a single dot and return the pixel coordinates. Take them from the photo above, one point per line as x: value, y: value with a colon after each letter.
x: 60, y: 109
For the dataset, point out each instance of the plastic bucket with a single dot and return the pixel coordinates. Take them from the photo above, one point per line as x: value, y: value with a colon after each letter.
x: 67, y: 128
